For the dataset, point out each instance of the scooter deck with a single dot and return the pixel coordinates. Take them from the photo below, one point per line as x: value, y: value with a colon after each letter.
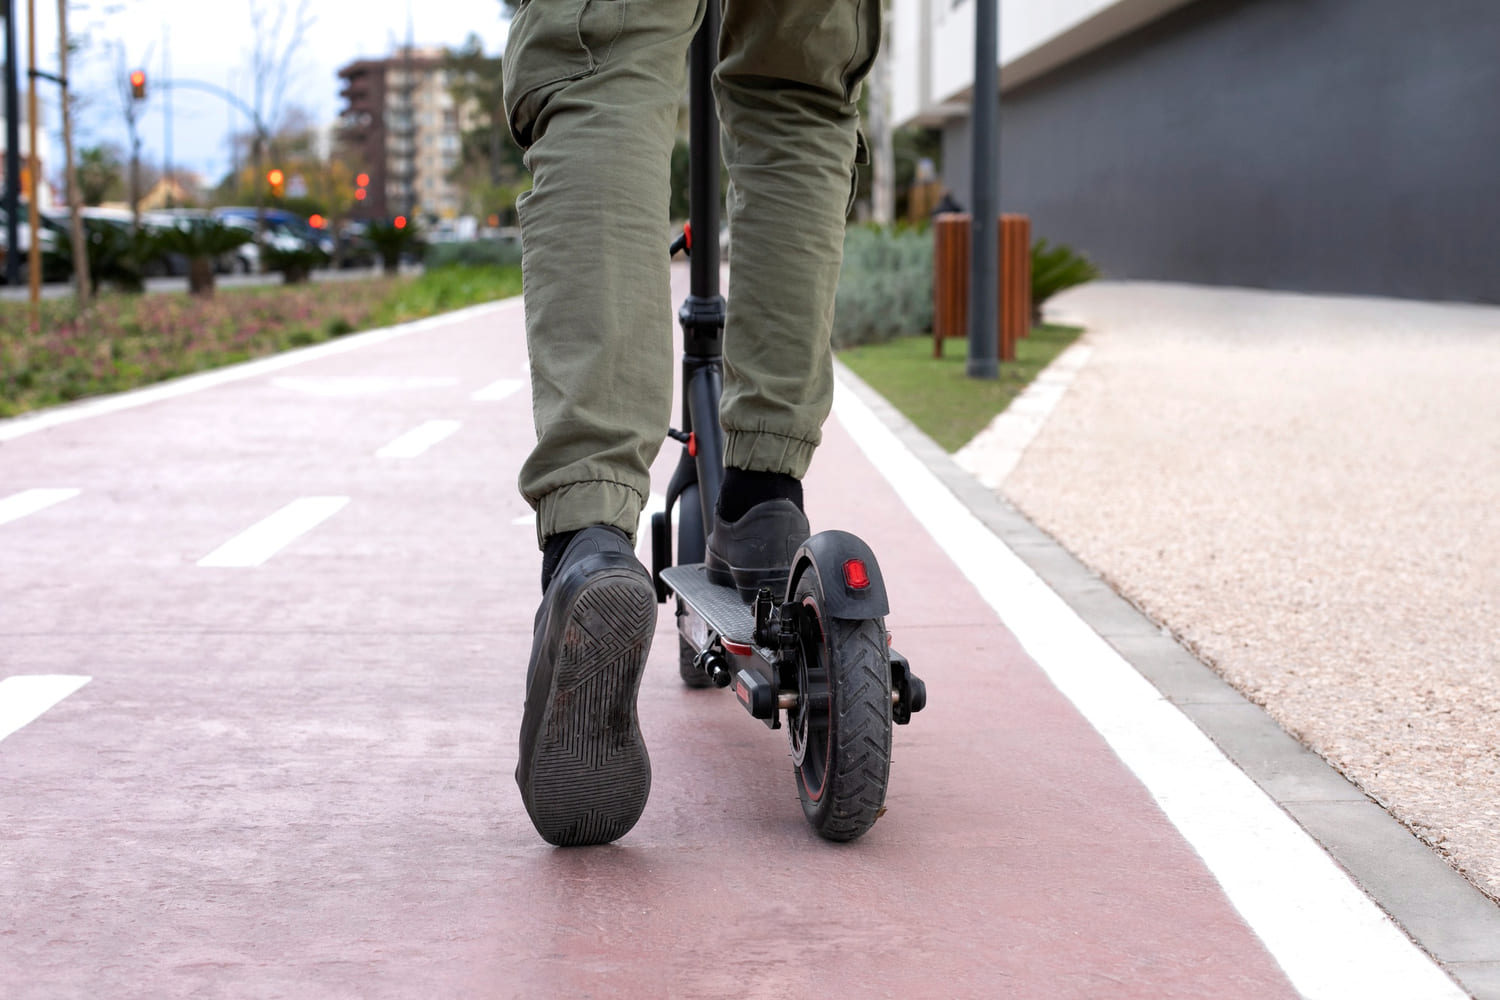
x: 719, y: 606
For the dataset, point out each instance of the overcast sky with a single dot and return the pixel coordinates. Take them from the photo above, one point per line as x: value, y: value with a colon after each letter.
x: 211, y: 40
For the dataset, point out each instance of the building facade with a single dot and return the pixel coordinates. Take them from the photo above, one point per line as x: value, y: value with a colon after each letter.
x: 400, y: 126
x: 1315, y: 145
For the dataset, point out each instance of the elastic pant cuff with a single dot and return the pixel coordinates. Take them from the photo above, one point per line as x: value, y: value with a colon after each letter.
x: 763, y: 451
x: 578, y: 505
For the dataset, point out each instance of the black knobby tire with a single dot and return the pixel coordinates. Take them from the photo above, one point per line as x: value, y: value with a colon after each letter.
x: 840, y: 731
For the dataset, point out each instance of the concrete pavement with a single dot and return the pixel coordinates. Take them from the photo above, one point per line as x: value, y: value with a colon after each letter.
x: 301, y: 593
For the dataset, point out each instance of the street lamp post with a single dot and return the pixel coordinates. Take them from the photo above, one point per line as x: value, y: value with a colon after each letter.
x: 984, y: 300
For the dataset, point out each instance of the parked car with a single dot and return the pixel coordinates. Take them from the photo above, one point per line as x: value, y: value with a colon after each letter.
x: 56, y: 266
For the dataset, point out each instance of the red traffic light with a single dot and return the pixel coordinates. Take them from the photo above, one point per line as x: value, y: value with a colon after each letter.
x: 317, y: 221
x: 400, y: 222
x: 138, y: 85
x: 359, y: 195
x: 363, y: 180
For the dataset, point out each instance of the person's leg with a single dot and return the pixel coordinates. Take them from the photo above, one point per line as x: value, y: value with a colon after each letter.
x: 787, y: 86
x: 592, y: 92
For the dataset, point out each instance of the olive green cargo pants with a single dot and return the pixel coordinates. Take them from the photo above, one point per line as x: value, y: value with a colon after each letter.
x: 593, y: 91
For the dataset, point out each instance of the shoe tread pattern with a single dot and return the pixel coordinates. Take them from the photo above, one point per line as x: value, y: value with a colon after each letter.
x: 591, y: 774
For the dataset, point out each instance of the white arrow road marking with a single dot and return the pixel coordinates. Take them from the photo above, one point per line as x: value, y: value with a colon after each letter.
x: 262, y: 541
x: 18, y: 505
x: 359, y: 385
x: 496, y: 391
x: 24, y: 698
x: 417, y: 440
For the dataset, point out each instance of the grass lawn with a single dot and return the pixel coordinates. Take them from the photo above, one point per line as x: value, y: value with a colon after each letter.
x: 124, y: 341
x: 936, y: 395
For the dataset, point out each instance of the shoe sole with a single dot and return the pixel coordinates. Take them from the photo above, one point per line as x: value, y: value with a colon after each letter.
x: 590, y: 773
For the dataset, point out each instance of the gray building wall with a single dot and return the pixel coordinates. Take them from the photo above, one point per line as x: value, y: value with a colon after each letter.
x: 1316, y: 145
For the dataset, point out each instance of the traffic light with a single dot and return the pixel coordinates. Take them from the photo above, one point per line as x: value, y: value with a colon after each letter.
x: 400, y: 222
x: 138, y: 85
x: 361, y: 182
x: 277, y: 180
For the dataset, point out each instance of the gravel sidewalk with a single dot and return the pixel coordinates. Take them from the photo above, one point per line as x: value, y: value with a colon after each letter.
x: 1305, y: 490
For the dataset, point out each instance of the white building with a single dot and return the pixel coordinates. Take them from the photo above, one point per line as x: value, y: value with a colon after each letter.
x: 1316, y: 145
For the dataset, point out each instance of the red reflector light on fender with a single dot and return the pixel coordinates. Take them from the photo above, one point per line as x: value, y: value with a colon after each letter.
x: 855, y: 574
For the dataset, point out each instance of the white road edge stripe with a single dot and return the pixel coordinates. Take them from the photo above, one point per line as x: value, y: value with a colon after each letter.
x: 18, y: 426
x: 417, y: 440
x: 1330, y: 939
x: 496, y: 391
x: 18, y: 505
x: 263, y: 540
x: 25, y: 697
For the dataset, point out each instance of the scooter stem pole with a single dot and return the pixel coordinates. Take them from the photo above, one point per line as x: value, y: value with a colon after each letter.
x: 703, y: 167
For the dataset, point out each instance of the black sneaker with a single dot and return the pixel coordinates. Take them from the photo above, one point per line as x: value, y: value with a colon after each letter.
x: 584, y: 773
x: 756, y: 551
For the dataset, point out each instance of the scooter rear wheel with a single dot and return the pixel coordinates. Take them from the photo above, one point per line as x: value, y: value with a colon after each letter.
x: 840, y: 730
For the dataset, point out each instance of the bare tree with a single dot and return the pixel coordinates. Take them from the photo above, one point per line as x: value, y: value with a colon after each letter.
x: 75, y: 204
x: 132, y: 110
x: 279, y: 31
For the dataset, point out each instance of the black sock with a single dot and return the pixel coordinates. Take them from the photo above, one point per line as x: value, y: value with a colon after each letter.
x: 552, y: 551
x: 743, y: 489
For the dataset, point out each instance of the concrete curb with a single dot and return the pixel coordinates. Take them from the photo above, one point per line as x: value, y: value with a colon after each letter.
x: 1442, y: 912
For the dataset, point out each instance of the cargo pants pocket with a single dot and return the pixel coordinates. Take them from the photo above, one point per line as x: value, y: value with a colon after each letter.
x: 553, y: 42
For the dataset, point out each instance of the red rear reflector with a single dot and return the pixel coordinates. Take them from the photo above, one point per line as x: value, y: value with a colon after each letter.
x: 855, y: 574
x: 687, y: 231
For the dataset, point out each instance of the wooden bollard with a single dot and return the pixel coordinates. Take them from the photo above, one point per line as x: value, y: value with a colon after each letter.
x: 951, y: 241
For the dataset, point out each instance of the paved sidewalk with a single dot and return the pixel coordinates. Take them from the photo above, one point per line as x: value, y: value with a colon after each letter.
x: 1304, y: 489
x: 274, y: 634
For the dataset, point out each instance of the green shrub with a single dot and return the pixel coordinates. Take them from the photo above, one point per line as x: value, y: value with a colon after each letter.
x: 295, y: 265
x: 1055, y: 268
x: 473, y: 253
x: 885, y: 287
x: 200, y: 241
x: 391, y: 242
x: 118, y: 255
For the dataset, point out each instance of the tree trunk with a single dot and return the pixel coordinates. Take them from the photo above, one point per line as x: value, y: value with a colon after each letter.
x: 75, y: 207
x: 201, y: 276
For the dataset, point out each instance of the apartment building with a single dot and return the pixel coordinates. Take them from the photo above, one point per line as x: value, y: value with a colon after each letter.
x: 1317, y: 145
x: 400, y: 126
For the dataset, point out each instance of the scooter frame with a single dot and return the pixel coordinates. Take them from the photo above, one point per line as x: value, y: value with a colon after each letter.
x: 823, y: 643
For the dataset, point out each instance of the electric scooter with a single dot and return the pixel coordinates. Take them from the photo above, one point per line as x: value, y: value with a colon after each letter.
x: 819, y: 652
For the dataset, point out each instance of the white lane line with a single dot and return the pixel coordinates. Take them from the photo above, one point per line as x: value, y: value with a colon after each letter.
x: 24, y: 698
x: 496, y: 391
x: 1330, y: 939
x: 18, y: 505
x: 417, y: 440
x: 18, y: 426
x: 262, y: 541
x: 339, y: 386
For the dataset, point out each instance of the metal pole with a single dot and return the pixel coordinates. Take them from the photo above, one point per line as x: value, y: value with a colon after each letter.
x: 12, y: 149
x: 34, y: 259
x: 984, y: 300
x: 166, y: 74
x: 703, y: 173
